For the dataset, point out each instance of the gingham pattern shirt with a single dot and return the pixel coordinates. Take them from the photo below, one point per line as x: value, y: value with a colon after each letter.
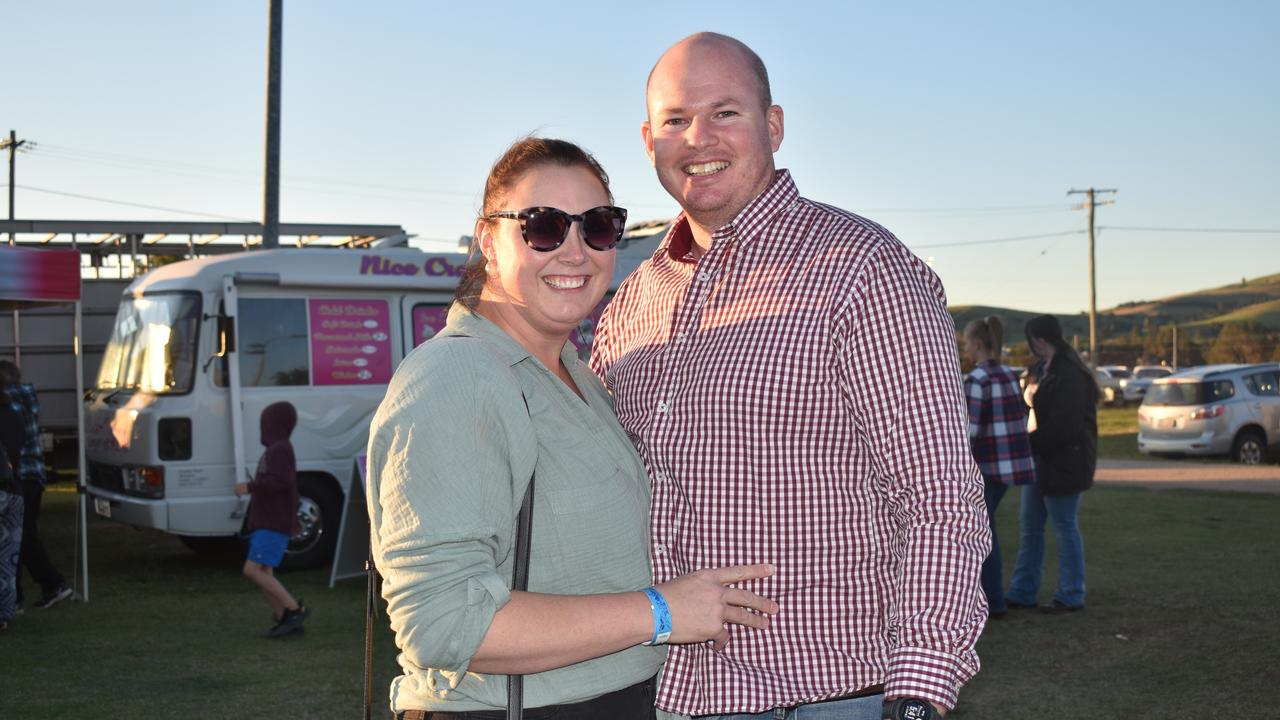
x: 796, y: 397
x: 998, y: 425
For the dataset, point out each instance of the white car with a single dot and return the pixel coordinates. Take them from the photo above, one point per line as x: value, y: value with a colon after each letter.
x: 1111, y: 379
x: 1213, y: 410
x: 1136, y: 386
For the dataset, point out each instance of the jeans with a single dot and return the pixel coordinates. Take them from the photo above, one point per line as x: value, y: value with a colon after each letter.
x: 34, y: 557
x: 992, y: 572
x: 1062, y: 509
x: 863, y: 708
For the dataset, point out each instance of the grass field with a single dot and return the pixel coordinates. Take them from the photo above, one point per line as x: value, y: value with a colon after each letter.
x: 1118, y: 434
x: 1180, y: 623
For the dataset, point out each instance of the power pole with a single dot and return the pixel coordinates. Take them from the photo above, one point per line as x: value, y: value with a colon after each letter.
x: 12, y: 145
x: 1090, y: 204
x: 271, y: 181
x: 1175, y: 347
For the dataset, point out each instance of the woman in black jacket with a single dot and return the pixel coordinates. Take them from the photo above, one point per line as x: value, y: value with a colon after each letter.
x: 1065, y: 444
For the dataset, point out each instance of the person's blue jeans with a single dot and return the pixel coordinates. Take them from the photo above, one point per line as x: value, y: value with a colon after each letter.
x: 992, y: 572
x: 1062, y: 510
x: 863, y: 708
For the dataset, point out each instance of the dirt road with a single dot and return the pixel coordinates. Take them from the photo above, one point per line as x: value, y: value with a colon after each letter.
x: 1190, y: 474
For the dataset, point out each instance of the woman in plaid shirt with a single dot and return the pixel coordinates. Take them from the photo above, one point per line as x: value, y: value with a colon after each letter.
x: 998, y: 435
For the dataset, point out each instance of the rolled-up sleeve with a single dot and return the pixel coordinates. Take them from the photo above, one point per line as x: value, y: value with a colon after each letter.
x: 903, y: 368
x: 449, y: 449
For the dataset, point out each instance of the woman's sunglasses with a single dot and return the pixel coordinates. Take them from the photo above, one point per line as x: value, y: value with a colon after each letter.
x: 545, y: 228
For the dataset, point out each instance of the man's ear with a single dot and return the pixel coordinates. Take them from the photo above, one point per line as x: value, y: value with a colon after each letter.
x: 773, y: 117
x: 646, y: 132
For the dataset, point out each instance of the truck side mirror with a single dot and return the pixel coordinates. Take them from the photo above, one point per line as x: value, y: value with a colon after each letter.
x: 226, y: 335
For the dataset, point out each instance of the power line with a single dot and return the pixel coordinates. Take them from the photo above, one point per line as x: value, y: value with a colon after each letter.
x: 133, y: 204
x: 182, y: 168
x: 994, y: 241
x: 1258, y: 231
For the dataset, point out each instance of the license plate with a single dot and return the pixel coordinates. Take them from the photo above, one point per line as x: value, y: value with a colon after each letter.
x: 102, y: 507
x: 1166, y: 423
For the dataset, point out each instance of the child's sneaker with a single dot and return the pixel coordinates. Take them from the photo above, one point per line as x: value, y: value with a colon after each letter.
x: 54, y: 597
x: 290, y: 622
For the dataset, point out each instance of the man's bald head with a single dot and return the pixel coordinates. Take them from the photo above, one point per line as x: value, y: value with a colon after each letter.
x: 749, y: 56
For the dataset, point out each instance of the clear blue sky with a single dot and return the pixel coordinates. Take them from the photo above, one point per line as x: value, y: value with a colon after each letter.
x: 947, y: 122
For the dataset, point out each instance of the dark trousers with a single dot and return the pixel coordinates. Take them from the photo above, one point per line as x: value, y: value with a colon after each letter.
x: 33, y: 556
x: 631, y: 703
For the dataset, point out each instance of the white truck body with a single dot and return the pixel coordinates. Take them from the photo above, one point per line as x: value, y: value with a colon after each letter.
x: 173, y: 421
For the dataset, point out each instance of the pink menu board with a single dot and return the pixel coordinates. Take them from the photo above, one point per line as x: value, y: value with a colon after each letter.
x: 350, y: 342
x: 427, y: 321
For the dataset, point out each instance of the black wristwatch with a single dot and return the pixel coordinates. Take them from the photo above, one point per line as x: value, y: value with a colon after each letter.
x: 909, y: 709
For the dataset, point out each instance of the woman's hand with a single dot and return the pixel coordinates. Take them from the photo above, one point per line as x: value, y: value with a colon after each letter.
x: 703, y: 603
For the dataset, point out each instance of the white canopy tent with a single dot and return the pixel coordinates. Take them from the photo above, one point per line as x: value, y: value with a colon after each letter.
x: 32, y: 277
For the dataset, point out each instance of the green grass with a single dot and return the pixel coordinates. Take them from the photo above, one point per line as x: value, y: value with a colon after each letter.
x: 1180, y: 623
x: 1118, y: 434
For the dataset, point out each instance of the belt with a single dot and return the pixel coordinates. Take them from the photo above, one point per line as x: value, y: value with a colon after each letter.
x: 864, y: 692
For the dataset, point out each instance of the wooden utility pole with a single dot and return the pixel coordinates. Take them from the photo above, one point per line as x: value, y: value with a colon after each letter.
x: 1090, y: 204
x: 12, y: 145
x: 271, y: 180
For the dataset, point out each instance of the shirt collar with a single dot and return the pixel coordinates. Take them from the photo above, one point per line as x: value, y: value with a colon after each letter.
x: 745, y: 226
x: 464, y: 322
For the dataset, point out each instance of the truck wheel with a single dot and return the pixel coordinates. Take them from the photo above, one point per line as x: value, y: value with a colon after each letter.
x: 1249, y: 448
x: 319, y: 513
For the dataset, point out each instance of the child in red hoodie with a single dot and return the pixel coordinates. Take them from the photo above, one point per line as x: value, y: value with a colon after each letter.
x: 273, y: 517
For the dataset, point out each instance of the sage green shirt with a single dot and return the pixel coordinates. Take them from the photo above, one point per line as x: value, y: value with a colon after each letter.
x: 451, y: 451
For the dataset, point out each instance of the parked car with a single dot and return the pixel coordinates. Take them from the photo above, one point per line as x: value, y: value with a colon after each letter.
x: 1213, y: 410
x: 1136, y: 386
x: 1111, y: 379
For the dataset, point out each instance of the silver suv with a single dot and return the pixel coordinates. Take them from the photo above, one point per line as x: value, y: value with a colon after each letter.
x: 1213, y: 410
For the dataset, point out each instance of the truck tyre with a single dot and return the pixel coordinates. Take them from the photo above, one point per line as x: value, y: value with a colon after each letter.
x: 1249, y: 448
x: 319, y: 513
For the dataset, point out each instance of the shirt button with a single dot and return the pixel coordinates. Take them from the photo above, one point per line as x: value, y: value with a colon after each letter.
x: 682, y: 337
x: 662, y: 407
x: 704, y: 276
x: 659, y: 549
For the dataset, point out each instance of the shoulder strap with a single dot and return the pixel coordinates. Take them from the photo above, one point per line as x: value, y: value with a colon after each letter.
x: 520, y: 581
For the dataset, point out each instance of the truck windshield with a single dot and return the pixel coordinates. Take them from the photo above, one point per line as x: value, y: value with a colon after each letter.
x: 153, y: 344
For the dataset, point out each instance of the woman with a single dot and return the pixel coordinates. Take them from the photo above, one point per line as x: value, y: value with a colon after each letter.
x: 499, y: 399
x: 1065, y: 443
x: 998, y: 434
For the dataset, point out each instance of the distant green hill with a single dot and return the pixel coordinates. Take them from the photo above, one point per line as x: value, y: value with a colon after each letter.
x: 1257, y: 300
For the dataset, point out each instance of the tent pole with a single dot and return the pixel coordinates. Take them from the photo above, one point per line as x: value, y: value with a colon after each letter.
x: 81, y: 481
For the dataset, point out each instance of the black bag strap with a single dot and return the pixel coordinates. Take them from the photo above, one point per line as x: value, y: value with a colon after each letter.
x: 520, y: 581
x: 520, y: 577
x: 370, y: 611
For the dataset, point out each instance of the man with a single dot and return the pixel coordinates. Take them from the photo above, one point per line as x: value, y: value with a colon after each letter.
x: 29, y: 469
x: 789, y: 373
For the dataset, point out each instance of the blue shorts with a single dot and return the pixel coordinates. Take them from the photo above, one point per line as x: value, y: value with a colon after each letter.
x: 266, y: 547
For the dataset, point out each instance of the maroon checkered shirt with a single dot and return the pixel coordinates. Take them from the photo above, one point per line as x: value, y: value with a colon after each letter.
x: 796, y: 396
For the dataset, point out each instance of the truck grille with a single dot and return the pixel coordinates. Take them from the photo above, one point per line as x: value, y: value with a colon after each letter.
x: 107, y: 477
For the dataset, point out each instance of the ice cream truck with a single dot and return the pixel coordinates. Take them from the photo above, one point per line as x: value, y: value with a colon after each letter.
x: 200, y: 347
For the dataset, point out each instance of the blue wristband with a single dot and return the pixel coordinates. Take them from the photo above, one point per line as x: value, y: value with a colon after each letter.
x: 661, y: 617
